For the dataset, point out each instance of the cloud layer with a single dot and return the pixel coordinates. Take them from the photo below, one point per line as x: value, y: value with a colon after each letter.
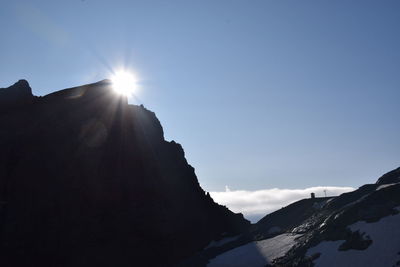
x: 256, y: 204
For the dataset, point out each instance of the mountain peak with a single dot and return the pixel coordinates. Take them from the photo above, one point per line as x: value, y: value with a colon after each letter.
x: 21, y: 86
x: 90, y: 180
x: 22, y: 83
x: 15, y: 96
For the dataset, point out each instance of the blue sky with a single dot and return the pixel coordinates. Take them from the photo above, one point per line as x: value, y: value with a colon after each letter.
x: 261, y: 94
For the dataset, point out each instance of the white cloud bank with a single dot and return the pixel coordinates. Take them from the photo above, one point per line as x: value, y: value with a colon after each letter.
x: 256, y: 204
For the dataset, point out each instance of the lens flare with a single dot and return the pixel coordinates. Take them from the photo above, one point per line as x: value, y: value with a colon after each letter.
x: 124, y: 83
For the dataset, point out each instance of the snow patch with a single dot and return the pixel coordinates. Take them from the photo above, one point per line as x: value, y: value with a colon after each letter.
x: 258, y: 253
x: 385, y: 236
x: 384, y: 186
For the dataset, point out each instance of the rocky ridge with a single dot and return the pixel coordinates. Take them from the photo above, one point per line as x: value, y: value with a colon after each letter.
x: 312, y: 222
x: 87, y: 179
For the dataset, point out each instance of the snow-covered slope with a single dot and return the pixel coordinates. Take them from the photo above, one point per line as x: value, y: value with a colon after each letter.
x: 383, y: 251
x: 258, y: 253
x: 359, y: 228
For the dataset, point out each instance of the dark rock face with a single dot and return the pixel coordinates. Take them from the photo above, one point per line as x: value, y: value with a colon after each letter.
x: 390, y: 177
x: 88, y: 180
x: 289, y: 217
x: 15, y: 96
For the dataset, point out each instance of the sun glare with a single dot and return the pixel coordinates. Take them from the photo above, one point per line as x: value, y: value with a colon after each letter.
x: 124, y: 83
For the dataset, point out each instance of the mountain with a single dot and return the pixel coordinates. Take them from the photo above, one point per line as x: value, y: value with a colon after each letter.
x: 87, y: 179
x: 359, y: 228
x: 390, y: 177
x: 15, y: 96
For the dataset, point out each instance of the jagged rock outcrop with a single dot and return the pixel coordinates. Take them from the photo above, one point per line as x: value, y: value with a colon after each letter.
x: 88, y: 180
x: 15, y: 96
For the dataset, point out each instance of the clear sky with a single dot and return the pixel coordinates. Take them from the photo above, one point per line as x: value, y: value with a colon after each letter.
x: 261, y: 94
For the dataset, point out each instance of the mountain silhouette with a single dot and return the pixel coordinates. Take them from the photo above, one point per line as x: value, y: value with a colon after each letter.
x: 87, y: 179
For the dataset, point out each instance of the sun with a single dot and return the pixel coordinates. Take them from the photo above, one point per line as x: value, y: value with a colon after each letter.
x: 124, y: 83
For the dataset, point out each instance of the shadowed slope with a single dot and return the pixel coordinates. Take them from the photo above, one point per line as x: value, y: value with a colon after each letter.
x: 86, y: 179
